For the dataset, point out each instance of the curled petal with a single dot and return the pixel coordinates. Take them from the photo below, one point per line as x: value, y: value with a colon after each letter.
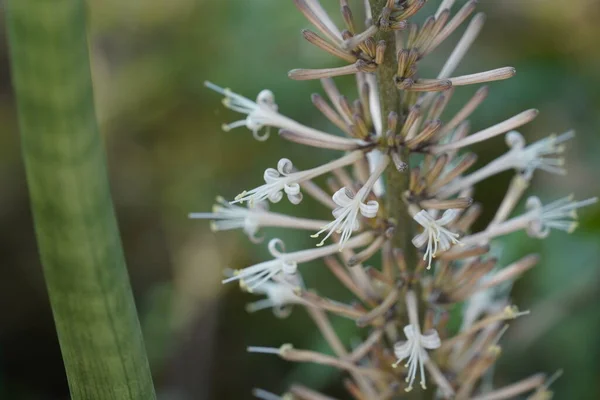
x: 423, y: 218
x: 271, y: 175
x: 295, y: 198
x: 420, y: 239
x: 285, y: 166
x: 515, y: 140
x: 257, y: 135
x: 343, y: 197
x: 292, y: 189
x: 430, y: 339
x: 369, y: 209
x: 536, y: 229
x: 251, y: 229
x: 534, y: 203
x: 448, y: 217
x: 276, y: 247
x: 337, y: 212
x: 275, y: 197
x: 267, y: 98
x: 255, y: 239
x: 409, y: 331
x: 289, y: 267
x: 402, y: 350
x: 252, y: 124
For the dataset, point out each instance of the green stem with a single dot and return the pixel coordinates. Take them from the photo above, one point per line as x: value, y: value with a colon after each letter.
x: 76, y: 228
x: 396, y: 182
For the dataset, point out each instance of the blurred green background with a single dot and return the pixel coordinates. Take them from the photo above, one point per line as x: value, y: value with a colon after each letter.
x: 168, y: 156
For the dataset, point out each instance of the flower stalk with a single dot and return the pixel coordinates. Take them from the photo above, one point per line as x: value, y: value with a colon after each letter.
x: 391, y: 104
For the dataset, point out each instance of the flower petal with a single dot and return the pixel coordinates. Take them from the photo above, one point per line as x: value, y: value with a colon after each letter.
x: 369, y: 209
x: 343, y: 197
x: 431, y: 340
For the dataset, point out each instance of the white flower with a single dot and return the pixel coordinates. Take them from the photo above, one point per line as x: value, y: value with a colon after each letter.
x: 276, y: 180
x: 264, y: 113
x: 434, y: 233
x: 287, y: 263
x: 226, y: 216
x: 284, y: 179
x: 560, y: 214
x: 259, y: 113
x: 253, y: 277
x: 349, y: 205
x: 414, y: 348
x: 280, y: 296
x: 346, y: 215
x: 416, y: 344
x: 545, y: 154
x: 538, y: 221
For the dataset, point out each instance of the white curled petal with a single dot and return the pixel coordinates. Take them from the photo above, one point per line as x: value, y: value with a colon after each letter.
x: 276, y: 197
x: 292, y: 189
x: 256, y: 239
x: 257, y: 135
x: 343, y: 197
x: 266, y: 98
x: 409, y: 331
x: 338, y: 212
x: 276, y: 247
x: 271, y: 175
x: 285, y: 166
x: 420, y: 239
x: 515, y: 140
x: 402, y: 350
x: 536, y: 229
x: 289, y: 267
x: 448, y: 217
x: 534, y: 203
x: 423, y: 218
x: 369, y: 209
x: 251, y: 229
x: 430, y: 339
x: 295, y: 199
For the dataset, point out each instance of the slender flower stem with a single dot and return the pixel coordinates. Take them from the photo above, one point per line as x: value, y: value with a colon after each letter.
x: 77, y: 233
x: 397, y: 182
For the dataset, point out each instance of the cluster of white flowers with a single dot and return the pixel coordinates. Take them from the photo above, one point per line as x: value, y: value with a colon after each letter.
x: 385, y: 197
